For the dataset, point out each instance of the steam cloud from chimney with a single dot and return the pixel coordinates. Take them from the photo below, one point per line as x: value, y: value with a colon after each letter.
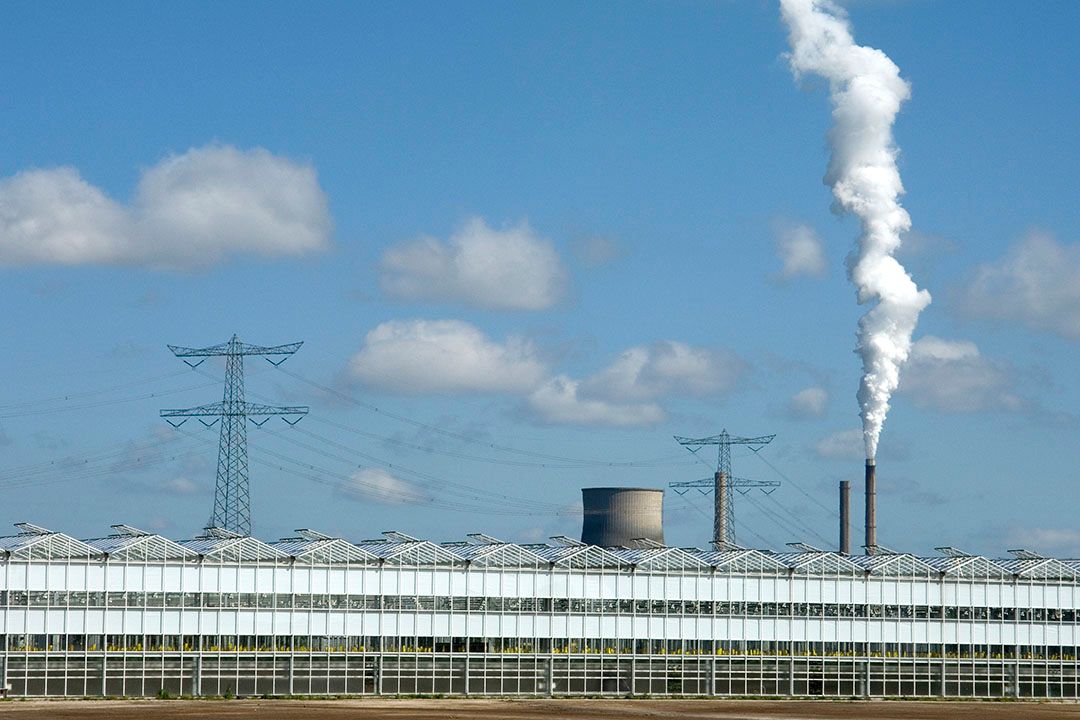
x: 866, y: 91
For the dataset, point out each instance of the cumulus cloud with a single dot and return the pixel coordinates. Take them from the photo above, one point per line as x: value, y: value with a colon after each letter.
x: 953, y: 376
x: 801, y: 252
x: 625, y: 392
x: 379, y: 485
x: 1062, y: 542
x: 510, y: 269
x: 189, y: 211
x: 1037, y: 284
x: 435, y: 356
x: 808, y: 403
x: 842, y: 445
x: 452, y: 356
x: 664, y: 369
x: 559, y: 401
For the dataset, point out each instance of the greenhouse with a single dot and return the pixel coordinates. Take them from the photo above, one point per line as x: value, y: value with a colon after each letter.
x: 135, y: 613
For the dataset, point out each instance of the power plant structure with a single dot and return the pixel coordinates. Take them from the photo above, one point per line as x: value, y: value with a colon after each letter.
x: 871, y: 506
x: 845, y: 517
x: 613, y: 517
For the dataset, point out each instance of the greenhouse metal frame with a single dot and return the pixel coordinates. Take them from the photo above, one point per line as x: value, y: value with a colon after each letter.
x: 137, y: 614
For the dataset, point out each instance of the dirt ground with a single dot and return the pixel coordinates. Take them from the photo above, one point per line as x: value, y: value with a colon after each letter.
x: 461, y: 709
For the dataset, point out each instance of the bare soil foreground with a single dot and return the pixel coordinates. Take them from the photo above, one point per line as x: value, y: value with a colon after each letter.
x: 394, y: 709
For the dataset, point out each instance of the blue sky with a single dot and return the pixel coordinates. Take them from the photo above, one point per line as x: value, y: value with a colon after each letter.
x: 550, y: 230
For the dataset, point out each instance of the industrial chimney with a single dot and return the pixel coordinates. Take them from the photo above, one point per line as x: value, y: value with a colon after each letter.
x: 871, y: 506
x: 845, y: 517
x: 618, y: 516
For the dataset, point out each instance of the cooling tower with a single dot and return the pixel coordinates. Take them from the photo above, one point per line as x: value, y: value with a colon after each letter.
x: 618, y: 516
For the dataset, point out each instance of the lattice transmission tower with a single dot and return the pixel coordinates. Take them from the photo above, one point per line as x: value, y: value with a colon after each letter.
x: 232, y: 495
x: 723, y: 484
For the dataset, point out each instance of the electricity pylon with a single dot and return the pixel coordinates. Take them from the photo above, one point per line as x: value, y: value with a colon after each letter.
x: 722, y: 483
x: 232, y: 497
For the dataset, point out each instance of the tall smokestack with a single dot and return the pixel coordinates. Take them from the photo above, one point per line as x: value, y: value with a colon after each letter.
x: 871, y: 506
x: 845, y: 517
x: 721, y: 531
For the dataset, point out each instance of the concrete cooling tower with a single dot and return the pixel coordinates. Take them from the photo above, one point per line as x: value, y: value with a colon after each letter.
x: 618, y: 516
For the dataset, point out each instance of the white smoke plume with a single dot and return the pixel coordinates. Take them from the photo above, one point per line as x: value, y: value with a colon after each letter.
x: 866, y: 91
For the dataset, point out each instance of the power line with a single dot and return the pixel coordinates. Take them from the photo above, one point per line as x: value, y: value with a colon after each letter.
x: 774, y: 518
x: 459, y: 455
x: 87, y: 393
x: 101, y: 403
x: 440, y: 482
x: 87, y: 472
x: 651, y: 462
x: 794, y: 484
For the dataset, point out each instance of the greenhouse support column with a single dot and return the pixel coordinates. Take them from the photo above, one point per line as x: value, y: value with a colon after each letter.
x: 104, y: 663
x: 467, y: 677
x: 549, y: 677
x: 290, y: 668
x: 1014, y: 680
x: 711, y: 684
x: 791, y: 677
x: 3, y: 676
x: 941, y: 679
x: 196, y: 676
x: 864, y: 679
x: 377, y: 670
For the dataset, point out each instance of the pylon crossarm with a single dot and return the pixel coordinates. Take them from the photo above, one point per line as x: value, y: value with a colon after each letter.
x: 183, y: 352
x: 251, y: 409
x: 288, y: 349
x: 235, y: 348
x: 209, y: 410
x: 235, y: 409
x: 756, y: 443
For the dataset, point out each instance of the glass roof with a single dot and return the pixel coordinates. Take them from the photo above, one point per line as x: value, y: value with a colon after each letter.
x: 132, y: 545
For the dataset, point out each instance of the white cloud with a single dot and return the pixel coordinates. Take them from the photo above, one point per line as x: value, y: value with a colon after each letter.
x: 1062, y: 542
x: 433, y: 356
x: 559, y: 402
x: 664, y: 369
x: 953, y: 376
x: 189, y: 211
x: 1037, y: 284
x: 842, y: 445
x: 623, y: 393
x: 511, y: 269
x: 379, y: 485
x: 452, y: 356
x: 801, y: 252
x: 808, y: 403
